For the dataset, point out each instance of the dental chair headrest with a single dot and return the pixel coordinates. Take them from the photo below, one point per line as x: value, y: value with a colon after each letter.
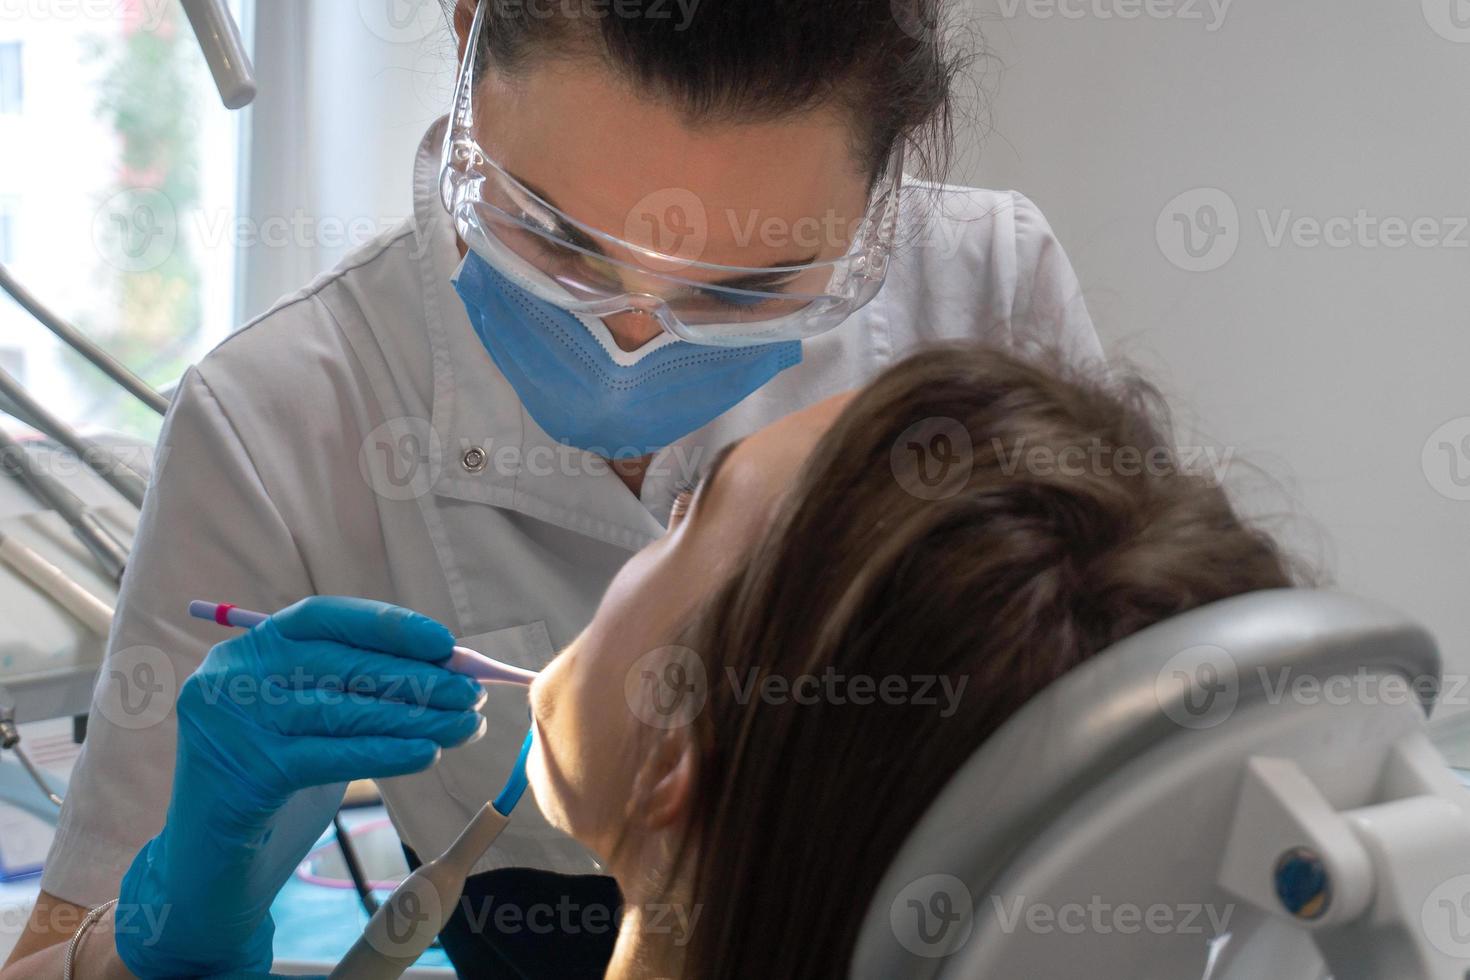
x: 1112, y: 709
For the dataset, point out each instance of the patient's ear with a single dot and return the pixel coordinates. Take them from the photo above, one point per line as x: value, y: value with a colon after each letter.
x: 665, y: 784
x: 464, y: 18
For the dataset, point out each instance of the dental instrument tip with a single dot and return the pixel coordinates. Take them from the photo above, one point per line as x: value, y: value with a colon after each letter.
x: 488, y: 671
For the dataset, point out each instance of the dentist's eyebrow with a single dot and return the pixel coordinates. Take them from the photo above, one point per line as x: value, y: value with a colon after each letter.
x: 757, y: 282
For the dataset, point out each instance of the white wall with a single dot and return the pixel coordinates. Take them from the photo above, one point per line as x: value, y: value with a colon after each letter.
x: 1330, y: 366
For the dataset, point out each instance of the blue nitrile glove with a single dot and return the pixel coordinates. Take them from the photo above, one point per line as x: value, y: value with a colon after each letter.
x: 271, y: 727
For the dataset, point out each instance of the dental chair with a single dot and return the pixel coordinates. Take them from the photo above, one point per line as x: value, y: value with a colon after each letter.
x: 1244, y: 792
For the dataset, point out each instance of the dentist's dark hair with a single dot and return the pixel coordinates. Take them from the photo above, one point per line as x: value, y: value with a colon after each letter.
x: 1020, y: 567
x: 888, y: 63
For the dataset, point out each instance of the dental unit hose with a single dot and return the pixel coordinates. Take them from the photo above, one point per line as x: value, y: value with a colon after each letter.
x: 413, y: 916
x: 78, y: 342
x: 121, y: 477
x: 110, y: 554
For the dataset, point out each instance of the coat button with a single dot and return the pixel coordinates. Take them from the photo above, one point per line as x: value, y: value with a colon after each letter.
x: 475, y: 459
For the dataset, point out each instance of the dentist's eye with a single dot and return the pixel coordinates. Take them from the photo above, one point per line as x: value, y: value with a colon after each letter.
x: 539, y: 220
x: 738, y: 301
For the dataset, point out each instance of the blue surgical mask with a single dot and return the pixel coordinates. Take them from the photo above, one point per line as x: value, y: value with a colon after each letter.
x: 585, y: 392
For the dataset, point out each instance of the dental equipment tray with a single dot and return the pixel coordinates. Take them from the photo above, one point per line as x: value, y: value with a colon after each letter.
x: 49, y: 659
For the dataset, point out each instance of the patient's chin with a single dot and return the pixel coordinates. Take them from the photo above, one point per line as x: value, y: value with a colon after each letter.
x: 547, y: 800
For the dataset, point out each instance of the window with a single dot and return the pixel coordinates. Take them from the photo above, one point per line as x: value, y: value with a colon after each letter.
x: 8, y: 209
x: 12, y: 87
x: 13, y: 362
x: 132, y: 240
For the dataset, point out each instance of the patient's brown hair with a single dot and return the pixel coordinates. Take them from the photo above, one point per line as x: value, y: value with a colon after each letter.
x: 1067, y: 527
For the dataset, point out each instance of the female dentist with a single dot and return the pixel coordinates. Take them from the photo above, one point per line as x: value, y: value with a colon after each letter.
x: 643, y: 231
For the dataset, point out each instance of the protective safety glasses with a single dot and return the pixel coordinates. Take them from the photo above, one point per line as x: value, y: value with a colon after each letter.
x: 586, y: 271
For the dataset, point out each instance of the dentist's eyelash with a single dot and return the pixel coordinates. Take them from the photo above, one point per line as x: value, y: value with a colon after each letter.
x: 684, y: 493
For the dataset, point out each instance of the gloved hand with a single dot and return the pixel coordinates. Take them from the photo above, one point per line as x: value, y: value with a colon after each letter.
x: 271, y: 727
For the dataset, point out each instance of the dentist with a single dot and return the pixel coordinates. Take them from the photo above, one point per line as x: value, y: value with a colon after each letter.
x: 637, y: 237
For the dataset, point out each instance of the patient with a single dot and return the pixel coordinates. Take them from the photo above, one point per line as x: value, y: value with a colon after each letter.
x: 839, y: 615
